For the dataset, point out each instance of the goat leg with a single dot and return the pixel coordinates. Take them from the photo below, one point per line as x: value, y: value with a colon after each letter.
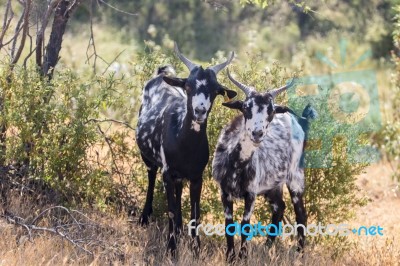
x: 249, y: 201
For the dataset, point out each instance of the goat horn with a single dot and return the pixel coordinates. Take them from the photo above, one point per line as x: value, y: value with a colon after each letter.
x: 190, y: 65
x: 246, y: 89
x: 275, y: 92
x: 219, y: 67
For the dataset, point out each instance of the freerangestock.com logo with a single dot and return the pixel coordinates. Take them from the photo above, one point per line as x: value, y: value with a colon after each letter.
x: 283, y: 230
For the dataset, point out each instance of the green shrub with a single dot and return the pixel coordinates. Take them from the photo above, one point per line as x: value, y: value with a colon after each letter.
x: 389, y: 138
x: 50, y: 132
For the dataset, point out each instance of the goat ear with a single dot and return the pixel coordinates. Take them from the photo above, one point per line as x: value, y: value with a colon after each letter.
x: 176, y: 82
x: 281, y: 109
x: 238, y: 105
x: 227, y: 93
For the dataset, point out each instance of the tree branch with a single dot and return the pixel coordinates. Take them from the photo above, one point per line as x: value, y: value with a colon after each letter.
x: 116, y: 9
x: 6, y: 22
x: 111, y: 120
x: 65, y: 231
x: 62, y: 14
x: 25, y: 28
x: 40, y: 33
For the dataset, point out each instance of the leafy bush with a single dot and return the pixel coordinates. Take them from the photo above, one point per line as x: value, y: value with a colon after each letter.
x: 389, y: 138
x: 49, y: 132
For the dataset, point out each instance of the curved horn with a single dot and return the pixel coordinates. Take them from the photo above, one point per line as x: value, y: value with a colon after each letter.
x: 275, y: 92
x: 246, y: 89
x: 190, y: 65
x: 219, y: 67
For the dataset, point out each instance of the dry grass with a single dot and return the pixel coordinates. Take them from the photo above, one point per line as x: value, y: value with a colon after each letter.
x: 120, y: 241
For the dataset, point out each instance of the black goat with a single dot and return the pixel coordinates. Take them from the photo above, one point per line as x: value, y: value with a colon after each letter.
x: 259, y: 152
x: 171, y: 134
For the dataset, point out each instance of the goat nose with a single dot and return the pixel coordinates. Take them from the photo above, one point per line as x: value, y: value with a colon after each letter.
x: 257, y: 134
x: 199, y: 111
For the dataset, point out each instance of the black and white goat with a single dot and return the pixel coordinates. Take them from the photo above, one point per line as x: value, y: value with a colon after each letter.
x: 259, y: 152
x: 171, y: 135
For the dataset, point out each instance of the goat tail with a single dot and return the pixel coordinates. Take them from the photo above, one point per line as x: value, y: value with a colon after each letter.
x: 309, y: 112
x: 166, y: 70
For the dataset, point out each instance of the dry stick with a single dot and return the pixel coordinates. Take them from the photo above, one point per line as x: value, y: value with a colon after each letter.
x: 112, y: 154
x: 32, y: 227
x: 115, y: 59
x: 25, y: 28
x: 17, y: 30
x: 70, y: 6
x: 92, y: 43
x: 13, y: 38
x: 91, y: 40
x: 111, y: 120
x: 116, y: 9
x: 31, y: 50
x: 55, y: 207
x: 6, y: 22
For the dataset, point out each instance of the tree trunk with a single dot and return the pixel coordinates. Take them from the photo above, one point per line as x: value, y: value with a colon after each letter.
x: 61, y: 16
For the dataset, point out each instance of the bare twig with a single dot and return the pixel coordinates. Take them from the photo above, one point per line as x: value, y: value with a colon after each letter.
x: 111, y: 120
x: 51, y: 208
x: 17, y: 30
x: 115, y: 59
x: 65, y: 231
x: 113, y: 156
x: 8, y: 16
x: 91, y: 42
x: 25, y: 28
x: 116, y: 9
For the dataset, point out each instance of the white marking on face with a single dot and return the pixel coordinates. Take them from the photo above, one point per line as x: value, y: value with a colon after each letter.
x: 257, y: 123
x: 200, y: 83
x: 274, y: 206
x: 200, y: 104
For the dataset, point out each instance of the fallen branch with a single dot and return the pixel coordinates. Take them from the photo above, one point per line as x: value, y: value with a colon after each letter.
x: 70, y: 231
x: 111, y: 120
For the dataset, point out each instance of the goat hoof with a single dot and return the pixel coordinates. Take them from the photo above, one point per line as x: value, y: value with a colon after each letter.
x: 144, y: 220
x: 195, y: 245
x: 300, y: 250
x: 172, y: 245
x: 230, y: 256
x: 269, y: 243
x: 243, y: 253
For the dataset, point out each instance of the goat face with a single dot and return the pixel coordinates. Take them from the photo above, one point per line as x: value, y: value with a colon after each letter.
x: 201, y: 87
x: 258, y: 109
